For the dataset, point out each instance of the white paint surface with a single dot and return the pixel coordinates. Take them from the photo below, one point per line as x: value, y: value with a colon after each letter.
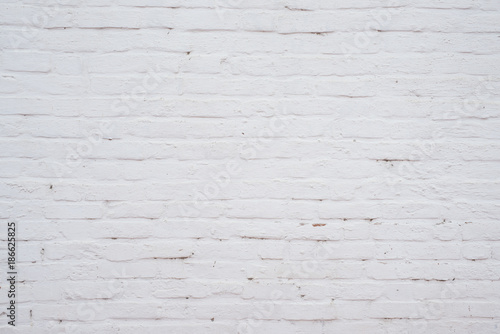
x: 240, y: 166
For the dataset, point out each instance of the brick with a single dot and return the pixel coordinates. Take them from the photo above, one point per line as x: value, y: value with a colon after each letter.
x: 234, y: 166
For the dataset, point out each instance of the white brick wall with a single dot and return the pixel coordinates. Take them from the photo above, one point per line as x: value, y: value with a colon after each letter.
x: 230, y: 166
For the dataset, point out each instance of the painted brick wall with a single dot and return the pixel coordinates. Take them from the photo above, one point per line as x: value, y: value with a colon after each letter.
x: 230, y: 166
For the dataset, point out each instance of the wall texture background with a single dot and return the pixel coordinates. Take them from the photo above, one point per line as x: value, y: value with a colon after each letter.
x: 235, y: 166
